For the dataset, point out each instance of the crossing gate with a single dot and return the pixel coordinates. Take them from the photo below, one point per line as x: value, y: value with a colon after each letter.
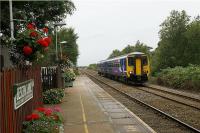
x: 49, y: 77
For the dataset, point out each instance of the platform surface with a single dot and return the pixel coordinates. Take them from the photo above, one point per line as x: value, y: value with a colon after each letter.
x: 87, y: 108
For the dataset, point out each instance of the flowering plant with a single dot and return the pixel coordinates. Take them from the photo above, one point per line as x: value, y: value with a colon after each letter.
x: 30, y: 43
x: 45, y: 120
x: 69, y: 75
x: 53, y: 96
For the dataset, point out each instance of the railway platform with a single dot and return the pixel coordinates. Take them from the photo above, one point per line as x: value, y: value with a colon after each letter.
x: 87, y: 108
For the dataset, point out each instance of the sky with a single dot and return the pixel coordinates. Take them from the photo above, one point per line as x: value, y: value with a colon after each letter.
x: 105, y: 25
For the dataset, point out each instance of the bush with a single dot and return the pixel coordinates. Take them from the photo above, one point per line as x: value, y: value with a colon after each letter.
x: 43, y: 120
x: 53, y: 96
x: 92, y: 66
x: 180, y: 77
x: 76, y: 71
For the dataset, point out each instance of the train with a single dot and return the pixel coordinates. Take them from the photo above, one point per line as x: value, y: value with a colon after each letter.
x: 133, y: 67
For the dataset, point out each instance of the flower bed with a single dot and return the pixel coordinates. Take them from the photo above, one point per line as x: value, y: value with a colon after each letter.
x: 43, y: 120
x: 53, y: 96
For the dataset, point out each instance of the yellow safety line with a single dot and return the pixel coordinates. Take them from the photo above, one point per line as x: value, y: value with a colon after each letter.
x: 84, y: 118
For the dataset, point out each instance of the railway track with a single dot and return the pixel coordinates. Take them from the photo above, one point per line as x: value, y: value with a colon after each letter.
x: 180, y: 97
x: 156, y: 110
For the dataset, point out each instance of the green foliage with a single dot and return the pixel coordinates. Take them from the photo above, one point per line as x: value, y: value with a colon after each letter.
x: 40, y: 126
x: 180, y: 77
x: 179, y: 43
x: 43, y: 11
x: 92, y: 66
x: 192, y: 49
x: 29, y: 37
x: 127, y: 49
x: 69, y: 75
x: 114, y: 53
x: 69, y: 49
x: 138, y: 47
x: 76, y: 71
x: 53, y: 96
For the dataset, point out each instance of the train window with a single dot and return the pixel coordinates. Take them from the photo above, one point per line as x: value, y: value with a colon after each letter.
x: 130, y: 61
x: 144, y: 60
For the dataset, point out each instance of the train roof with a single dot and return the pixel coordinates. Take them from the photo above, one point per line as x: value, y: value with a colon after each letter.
x: 122, y: 56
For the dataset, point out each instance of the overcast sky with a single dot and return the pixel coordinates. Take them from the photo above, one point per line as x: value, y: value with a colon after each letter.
x: 105, y: 25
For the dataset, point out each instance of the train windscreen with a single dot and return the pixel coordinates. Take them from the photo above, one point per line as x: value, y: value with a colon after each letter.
x: 130, y: 61
x: 144, y: 60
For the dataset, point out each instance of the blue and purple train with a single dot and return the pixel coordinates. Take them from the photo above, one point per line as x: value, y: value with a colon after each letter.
x: 133, y: 67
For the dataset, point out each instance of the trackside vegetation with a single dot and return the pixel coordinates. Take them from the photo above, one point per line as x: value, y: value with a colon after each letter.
x: 93, y: 66
x: 180, y: 77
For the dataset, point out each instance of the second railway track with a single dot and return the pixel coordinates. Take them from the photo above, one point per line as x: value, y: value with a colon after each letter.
x: 190, y: 123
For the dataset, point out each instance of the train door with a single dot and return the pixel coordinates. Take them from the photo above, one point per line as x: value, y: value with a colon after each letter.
x: 138, y: 66
x: 123, y: 65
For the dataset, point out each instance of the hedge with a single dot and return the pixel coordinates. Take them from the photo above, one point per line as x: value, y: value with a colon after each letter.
x: 180, y: 77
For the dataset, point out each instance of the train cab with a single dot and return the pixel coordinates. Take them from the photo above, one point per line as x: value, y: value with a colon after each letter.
x: 137, y: 67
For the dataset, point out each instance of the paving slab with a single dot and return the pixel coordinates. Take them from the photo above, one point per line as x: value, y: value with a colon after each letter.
x: 87, y: 108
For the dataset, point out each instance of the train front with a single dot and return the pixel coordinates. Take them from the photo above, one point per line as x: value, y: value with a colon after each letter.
x: 138, y: 67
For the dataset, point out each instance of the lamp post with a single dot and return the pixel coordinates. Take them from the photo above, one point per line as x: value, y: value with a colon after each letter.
x: 56, y: 25
x: 63, y: 42
x: 11, y: 21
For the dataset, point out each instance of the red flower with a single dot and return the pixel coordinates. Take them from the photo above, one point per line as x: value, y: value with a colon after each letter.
x: 31, y: 26
x: 57, y: 109
x: 45, y: 30
x: 48, y: 112
x: 33, y: 116
x: 33, y: 34
x: 27, y: 50
x: 28, y: 118
x: 40, y: 109
x: 47, y: 39
x: 42, y: 42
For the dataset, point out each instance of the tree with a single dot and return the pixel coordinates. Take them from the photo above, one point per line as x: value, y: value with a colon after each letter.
x: 179, y: 43
x: 138, y: 47
x: 127, y: 49
x: 70, y: 49
x: 141, y: 47
x: 114, y: 53
x: 172, y: 41
x: 93, y: 66
x: 41, y: 12
x: 192, y: 49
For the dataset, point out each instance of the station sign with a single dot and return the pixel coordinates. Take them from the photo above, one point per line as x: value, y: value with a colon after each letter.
x: 23, y: 92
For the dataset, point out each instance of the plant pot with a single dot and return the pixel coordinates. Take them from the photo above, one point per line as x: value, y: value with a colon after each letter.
x: 61, y: 128
x: 69, y: 84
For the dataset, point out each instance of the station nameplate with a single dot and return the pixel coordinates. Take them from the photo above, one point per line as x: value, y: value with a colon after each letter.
x: 23, y: 92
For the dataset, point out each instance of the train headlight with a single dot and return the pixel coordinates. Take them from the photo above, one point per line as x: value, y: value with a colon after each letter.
x: 130, y: 72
